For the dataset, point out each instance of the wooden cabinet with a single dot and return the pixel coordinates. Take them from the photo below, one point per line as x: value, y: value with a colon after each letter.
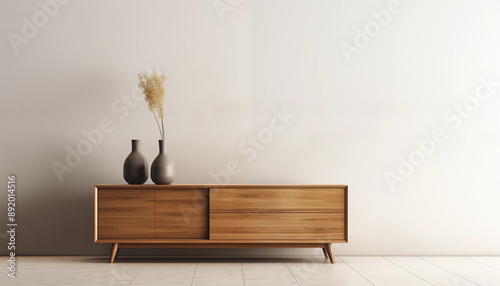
x: 209, y: 216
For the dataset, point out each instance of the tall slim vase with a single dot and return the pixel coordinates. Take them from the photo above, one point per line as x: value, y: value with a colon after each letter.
x: 135, y: 167
x: 162, y: 169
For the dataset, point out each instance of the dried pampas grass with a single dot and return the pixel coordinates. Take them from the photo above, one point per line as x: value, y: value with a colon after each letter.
x: 154, y: 92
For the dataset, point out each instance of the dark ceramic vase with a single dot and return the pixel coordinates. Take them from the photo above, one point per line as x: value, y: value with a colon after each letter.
x: 135, y: 167
x: 162, y: 169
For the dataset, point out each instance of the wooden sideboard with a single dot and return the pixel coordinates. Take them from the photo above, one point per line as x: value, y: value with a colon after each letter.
x: 220, y: 216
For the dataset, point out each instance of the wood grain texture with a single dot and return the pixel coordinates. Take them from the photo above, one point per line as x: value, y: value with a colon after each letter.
x: 221, y: 245
x: 126, y: 213
x: 277, y: 200
x: 96, y: 237
x: 217, y: 186
x: 293, y: 226
x: 346, y: 214
x: 182, y: 213
x: 217, y: 241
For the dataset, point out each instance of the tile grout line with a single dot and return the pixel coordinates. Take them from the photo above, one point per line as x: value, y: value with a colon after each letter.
x: 448, y: 270
x: 196, y: 268
x: 72, y: 272
x: 355, y: 270
x: 62, y: 280
x: 406, y: 269
x: 137, y: 274
x: 283, y: 259
x: 481, y: 263
x: 242, y: 272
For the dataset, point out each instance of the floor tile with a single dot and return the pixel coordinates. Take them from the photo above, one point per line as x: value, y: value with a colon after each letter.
x: 267, y: 271
x: 107, y: 274
x: 468, y: 269
x: 429, y: 272
x: 492, y: 261
x: 318, y: 271
x: 380, y: 271
x: 41, y: 270
x: 219, y: 272
x: 34, y: 278
x: 171, y: 272
x: 309, y: 270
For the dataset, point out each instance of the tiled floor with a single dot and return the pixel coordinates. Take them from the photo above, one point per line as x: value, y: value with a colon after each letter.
x: 250, y: 271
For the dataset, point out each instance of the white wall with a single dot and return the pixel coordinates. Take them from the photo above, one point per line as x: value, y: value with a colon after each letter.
x: 354, y: 115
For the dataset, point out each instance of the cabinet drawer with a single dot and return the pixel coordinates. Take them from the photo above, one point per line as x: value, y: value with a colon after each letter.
x: 182, y: 213
x: 277, y: 200
x: 277, y: 226
x: 126, y: 213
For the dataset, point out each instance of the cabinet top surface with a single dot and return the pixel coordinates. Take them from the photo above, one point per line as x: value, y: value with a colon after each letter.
x: 216, y: 186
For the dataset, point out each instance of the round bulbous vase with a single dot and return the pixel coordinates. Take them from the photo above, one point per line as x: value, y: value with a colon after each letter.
x: 135, y: 167
x: 162, y: 169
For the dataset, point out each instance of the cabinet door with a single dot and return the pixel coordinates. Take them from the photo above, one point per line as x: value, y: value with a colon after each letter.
x: 277, y: 200
x: 296, y: 226
x: 182, y: 213
x: 126, y: 213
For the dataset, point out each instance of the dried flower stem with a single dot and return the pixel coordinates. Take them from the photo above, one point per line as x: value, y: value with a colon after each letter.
x: 159, y: 128
x: 163, y: 129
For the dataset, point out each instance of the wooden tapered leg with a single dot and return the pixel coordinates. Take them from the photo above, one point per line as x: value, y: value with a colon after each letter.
x: 330, y: 252
x: 325, y: 252
x: 114, y: 250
